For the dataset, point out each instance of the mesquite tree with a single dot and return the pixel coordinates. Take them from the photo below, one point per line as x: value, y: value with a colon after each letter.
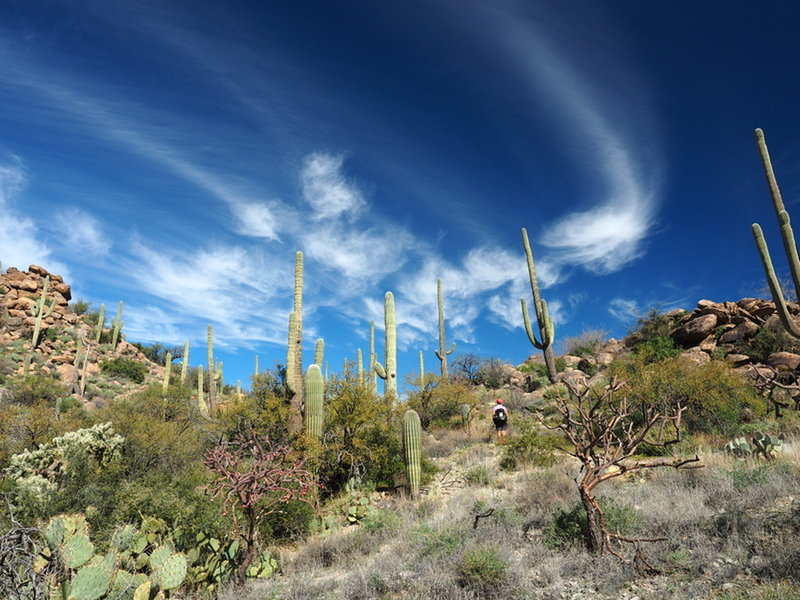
x: 255, y: 478
x: 605, y: 431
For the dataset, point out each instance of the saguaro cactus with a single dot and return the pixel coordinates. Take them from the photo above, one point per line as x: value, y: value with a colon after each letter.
x: 421, y: 369
x: 256, y: 366
x: 211, y: 368
x: 167, y: 372
x: 201, y: 399
x: 319, y: 352
x: 117, y: 323
x: 294, y: 356
x: 389, y: 372
x: 101, y: 323
x: 185, y: 362
x: 373, y: 358
x: 412, y: 434
x: 40, y: 311
x: 789, y: 245
x: 360, y: 366
x: 315, y: 392
x: 543, y: 320
x: 442, y: 352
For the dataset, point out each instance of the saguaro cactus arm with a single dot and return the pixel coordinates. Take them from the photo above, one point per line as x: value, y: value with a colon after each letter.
x: 787, y: 235
x: 547, y: 332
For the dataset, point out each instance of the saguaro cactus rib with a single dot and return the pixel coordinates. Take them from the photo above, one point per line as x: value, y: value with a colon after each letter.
x: 543, y: 319
x: 787, y: 235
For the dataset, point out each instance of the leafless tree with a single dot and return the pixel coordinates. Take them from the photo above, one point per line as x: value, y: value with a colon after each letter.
x: 605, y: 431
x: 18, y: 549
x: 254, y: 479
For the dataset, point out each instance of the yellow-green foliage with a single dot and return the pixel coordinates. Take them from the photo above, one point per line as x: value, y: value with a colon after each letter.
x: 531, y: 444
x: 440, y: 405
x: 360, y: 435
x: 718, y: 400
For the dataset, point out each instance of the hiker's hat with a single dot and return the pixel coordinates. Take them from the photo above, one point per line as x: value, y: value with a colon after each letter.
x: 499, y: 400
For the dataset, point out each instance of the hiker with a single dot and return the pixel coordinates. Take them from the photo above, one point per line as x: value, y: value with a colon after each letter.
x: 500, y: 420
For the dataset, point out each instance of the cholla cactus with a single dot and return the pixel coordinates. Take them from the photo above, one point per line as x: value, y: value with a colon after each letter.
x: 37, y: 472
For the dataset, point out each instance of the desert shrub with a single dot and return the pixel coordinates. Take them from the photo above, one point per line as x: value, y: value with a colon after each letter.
x: 27, y: 390
x: 585, y: 344
x: 490, y: 374
x: 381, y: 521
x: 292, y: 522
x: 717, y: 400
x: 128, y: 368
x: 360, y: 439
x: 771, y: 337
x: 657, y: 349
x: 435, y: 542
x: 784, y: 590
x: 440, y: 405
x: 481, y: 569
x: 157, y: 353
x: 80, y: 306
x: 478, y: 475
x: 530, y: 445
x: 569, y: 525
x: 539, y: 369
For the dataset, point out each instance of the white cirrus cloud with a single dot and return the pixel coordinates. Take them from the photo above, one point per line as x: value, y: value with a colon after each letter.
x: 327, y: 190
x: 81, y: 231
x: 625, y: 310
x: 255, y: 219
x: 21, y: 242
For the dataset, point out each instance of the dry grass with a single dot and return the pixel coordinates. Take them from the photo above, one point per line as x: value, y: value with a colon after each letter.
x: 724, y: 527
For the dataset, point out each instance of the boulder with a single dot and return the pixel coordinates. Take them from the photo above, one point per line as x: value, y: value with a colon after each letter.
x: 737, y: 360
x: 786, y: 360
x: 694, y: 331
x: 739, y: 333
x: 696, y: 355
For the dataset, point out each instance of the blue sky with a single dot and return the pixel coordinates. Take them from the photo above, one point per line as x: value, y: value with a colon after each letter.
x: 176, y: 155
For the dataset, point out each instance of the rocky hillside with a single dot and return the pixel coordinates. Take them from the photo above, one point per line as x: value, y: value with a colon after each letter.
x: 63, y: 334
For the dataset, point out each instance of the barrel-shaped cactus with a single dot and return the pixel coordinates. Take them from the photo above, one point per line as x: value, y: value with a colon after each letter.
x: 412, y: 450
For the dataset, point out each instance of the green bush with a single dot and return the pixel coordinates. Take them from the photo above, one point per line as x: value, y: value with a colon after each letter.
x: 27, y: 390
x: 481, y: 569
x: 585, y: 344
x: 569, y: 525
x: 360, y: 437
x: 530, y: 445
x: 440, y: 405
x: 657, y: 348
x: 292, y: 522
x: 80, y: 306
x: 125, y: 367
x: 717, y: 400
x: 771, y: 337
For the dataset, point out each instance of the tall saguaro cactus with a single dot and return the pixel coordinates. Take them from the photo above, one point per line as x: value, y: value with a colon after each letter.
x: 315, y: 392
x: 41, y: 311
x: 211, y: 368
x: 543, y: 319
x: 101, y: 323
x: 117, y: 324
x: 294, y: 355
x: 787, y: 235
x: 360, y: 366
x: 373, y: 358
x: 319, y: 352
x: 167, y: 372
x: 412, y: 434
x: 201, y: 400
x: 185, y: 362
x: 442, y: 352
x: 389, y: 372
x: 421, y: 369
